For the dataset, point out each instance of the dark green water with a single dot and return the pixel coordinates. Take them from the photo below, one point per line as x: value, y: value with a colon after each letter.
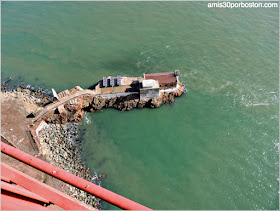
x: 217, y: 147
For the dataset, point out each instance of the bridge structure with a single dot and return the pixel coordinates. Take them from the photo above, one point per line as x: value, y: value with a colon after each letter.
x: 20, y: 191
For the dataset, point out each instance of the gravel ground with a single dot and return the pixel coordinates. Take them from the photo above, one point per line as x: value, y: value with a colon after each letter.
x: 60, y: 143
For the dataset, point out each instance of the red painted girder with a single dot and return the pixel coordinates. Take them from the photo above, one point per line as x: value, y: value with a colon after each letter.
x: 69, y: 178
x: 5, y: 179
x: 13, y: 202
x: 56, y: 197
x: 23, y: 192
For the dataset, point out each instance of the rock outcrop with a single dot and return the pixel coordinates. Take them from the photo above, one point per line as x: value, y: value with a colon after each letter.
x: 90, y: 103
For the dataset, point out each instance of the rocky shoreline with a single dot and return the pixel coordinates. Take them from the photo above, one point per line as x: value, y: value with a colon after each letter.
x: 59, y: 139
x: 28, y: 94
x: 61, y: 145
x: 90, y: 103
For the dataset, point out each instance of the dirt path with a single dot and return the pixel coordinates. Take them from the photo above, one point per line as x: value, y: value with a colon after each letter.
x: 62, y: 101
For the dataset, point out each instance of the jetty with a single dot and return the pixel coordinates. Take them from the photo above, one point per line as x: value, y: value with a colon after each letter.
x: 144, y: 89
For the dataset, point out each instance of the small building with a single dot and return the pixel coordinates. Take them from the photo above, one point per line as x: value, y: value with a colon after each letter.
x: 148, y: 87
x: 149, y: 90
x: 166, y: 80
x: 149, y: 83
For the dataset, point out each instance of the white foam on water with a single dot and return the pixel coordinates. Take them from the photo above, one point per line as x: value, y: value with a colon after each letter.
x: 244, y: 94
x: 258, y: 104
x: 87, y: 119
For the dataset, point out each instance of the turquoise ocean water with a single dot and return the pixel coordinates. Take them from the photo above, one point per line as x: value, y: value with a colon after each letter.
x: 217, y: 147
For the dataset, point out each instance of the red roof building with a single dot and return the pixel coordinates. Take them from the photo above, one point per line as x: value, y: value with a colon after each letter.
x: 165, y: 80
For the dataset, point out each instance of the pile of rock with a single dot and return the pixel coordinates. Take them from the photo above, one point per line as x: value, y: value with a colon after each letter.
x: 29, y: 95
x: 60, y: 144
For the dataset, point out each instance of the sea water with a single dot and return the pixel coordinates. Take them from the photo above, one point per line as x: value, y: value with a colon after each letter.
x: 216, y: 147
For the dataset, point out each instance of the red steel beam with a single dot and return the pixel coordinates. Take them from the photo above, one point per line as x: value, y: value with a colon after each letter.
x: 56, y: 197
x: 11, y: 201
x: 69, y: 178
x: 5, y: 179
x: 21, y: 191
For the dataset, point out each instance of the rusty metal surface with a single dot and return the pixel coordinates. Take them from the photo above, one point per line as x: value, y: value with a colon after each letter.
x: 160, y: 74
x: 69, y: 178
x: 162, y: 78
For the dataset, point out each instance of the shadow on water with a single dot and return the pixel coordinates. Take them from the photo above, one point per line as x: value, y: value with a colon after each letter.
x: 92, y: 87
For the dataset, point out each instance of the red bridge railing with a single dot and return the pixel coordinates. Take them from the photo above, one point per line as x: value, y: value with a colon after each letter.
x: 71, y: 179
